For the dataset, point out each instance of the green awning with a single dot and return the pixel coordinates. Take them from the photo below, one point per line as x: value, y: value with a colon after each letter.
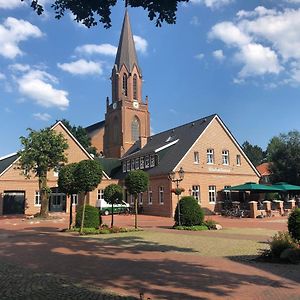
x: 283, y: 186
x: 254, y: 187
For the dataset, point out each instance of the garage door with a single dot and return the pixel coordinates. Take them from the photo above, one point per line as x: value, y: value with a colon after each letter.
x: 13, y: 203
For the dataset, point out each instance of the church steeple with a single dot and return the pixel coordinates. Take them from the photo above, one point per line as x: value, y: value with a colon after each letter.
x: 126, y: 54
x: 127, y: 117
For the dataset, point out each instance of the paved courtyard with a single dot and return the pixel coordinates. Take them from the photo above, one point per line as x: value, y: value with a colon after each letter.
x: 39, y: 262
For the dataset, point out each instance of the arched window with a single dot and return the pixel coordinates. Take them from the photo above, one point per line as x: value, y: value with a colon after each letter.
x: 135, y: 92
x: 135, y: 129
x: 116, y: 131
x: 125, y: 85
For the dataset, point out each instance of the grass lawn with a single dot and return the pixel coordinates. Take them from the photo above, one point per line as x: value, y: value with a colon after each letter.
x: 228, y: 242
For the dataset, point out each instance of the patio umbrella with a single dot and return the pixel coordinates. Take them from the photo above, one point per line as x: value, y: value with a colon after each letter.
x: 285, y: 187
x: 254, y: 187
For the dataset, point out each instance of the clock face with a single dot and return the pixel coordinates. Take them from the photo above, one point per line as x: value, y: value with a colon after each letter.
x: 135, y: 104
x: 114, y: 105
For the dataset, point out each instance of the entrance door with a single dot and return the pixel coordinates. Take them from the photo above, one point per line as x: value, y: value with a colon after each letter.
x: 57, y: 202
x: 13, y: 203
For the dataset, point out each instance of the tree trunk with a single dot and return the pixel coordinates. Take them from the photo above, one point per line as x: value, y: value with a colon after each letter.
x: 136, y: 211
x: 44, y: 195
x: 112, y: 215
x: 83, y: 213
x: 71, y: 212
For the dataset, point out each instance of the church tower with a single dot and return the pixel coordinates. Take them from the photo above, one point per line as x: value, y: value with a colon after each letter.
x: 127, y: 119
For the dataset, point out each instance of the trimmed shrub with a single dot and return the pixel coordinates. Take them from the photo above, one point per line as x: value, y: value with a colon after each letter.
x: 191, y: 214
x: 294, y: 224
x: 280, y: 242
x: 91, y: 217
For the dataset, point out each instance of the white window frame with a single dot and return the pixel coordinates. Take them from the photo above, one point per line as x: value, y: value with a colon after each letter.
x: 152, y: 161
x: 238, y: 160
x: 161, y: 195
x: 55, y: 171
x: 128, y: 165
x: 100, y: 194
x: 137, y: 163
x: 140, y: 198
x: 74, y: 199
x: 147, y: 162
x: 132, y: 164
x: 196, y: 158
x: 225, y: 157
x: 142, y: 163
x: 227, y: 193
x: 150, y: 196
x: 212, y: 194
x: 196, y: 192
x: 124, y: 166
x: 37, y: 198
x: 210, y: 157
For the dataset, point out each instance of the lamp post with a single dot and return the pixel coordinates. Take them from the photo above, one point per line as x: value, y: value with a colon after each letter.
x: 172, y: 177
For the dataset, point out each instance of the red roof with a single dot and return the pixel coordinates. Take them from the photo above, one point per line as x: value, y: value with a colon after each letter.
x: 263, y: 169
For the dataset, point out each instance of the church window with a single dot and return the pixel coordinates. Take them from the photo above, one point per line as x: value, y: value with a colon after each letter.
x: 135, y: 129
x: 135, y: 87
x: 125, y: 91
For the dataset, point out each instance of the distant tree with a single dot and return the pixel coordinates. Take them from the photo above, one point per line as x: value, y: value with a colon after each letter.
x: 284, y: 153
x: 136, y: 182
x: 42, y: 151
x: 91, y: 12
x: 88, y: 175
x: 81, y: 135
x: 67, y: 184
x: 254, y: 153
x: 113, y: 194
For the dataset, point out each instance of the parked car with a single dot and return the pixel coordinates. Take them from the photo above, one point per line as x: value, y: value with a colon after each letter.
x: 106, y: 209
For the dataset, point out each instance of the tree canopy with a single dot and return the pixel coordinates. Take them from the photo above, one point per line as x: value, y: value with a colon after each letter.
x: 284, y: 155
x: 42, y: 151
x: 91, y: 12
x: 81, y: 135
x: 254, y: 153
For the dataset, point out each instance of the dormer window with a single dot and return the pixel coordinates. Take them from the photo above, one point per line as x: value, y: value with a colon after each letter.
x: 147, y: 162
x: 124, y: 167
x: 137, y: 163
x: 152, y: 161
x: 142, y: 163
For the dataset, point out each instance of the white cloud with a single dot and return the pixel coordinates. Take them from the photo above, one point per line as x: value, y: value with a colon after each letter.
x: 141, y: 44
x: 104, y: 49
x: 2, y: 76
x: 264, y: 41
x: 219, y: 55
x: 19, y: 67
x: 257, y: 60
x: 38, y: 86
x: 10, y: 4
x: 42, y: 116
x: 82, y: 67
x: 212, y: 3
x: 199, y: 56
x: 195, y: 21
x: 12, y: 32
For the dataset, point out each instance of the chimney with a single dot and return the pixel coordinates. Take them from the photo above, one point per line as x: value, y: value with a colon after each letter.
x: 142, y: 142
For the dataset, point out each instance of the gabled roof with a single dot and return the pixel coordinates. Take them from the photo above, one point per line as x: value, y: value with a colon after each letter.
x: 264, y: 169
x: 126, y: 54
x: 7, y: 161
x: 89, y: 129
x: 172, y: 145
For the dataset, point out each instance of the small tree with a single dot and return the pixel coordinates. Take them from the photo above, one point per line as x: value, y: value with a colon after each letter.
x: 42, y: 151
x: 113, y: 194
x: 294, y: 224
x: 191, y: 213
x: 136, y: 182
x: 88, y: 175
x: 67, y: 184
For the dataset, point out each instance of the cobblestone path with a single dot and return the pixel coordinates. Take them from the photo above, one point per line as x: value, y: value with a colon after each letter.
x: 19, y: 283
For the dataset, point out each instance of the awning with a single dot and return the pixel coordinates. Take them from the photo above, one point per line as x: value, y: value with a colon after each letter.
x: 254, y: 187
x: 283, y: 186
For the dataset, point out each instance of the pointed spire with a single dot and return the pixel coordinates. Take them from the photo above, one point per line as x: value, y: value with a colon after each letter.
x: 126, y: 50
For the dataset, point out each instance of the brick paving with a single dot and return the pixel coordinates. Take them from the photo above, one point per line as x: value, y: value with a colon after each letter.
x: 40, y: 259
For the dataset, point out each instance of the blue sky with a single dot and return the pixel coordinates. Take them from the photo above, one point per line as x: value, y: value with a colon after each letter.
x: 240, y: 60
